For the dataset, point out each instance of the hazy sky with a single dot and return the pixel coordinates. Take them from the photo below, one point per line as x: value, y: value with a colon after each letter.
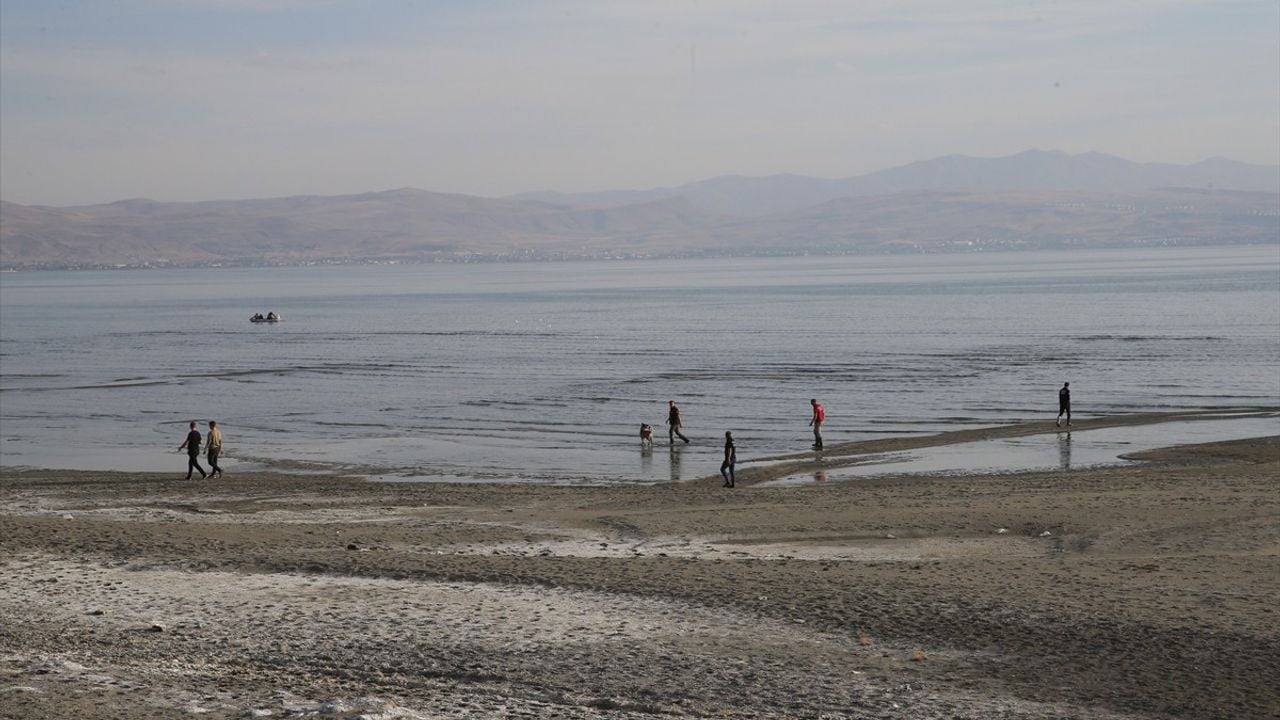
x: 212, y: 99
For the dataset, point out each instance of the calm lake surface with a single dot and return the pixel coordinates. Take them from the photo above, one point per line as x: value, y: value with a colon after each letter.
x: 543, y: 372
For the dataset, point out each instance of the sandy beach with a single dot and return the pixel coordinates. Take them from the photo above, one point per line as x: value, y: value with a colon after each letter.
x: 1144, y: 591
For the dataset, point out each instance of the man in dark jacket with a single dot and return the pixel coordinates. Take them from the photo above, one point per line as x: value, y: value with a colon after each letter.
x: 730, y: 459
x: 192, y: 446
x: 674, y: 423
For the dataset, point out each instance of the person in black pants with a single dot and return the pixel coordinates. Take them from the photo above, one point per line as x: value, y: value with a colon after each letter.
x: 213, y: 448
x: 1064, y: 404
x: 730, y: 458
x: 674, y: 424
x: 192, y: 446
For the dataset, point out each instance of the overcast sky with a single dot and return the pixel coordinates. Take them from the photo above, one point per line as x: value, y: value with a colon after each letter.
x: 215, y: 99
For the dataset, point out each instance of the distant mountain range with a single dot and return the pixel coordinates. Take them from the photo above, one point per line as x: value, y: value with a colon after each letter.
x: 1032, y: 199
x: 1030, y: 170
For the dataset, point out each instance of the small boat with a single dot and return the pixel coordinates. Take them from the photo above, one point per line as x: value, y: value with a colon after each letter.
x: 268, y: 318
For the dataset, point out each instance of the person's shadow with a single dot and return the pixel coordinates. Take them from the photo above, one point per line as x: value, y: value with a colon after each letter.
x: 1064, y: 450
x: 675, y: 463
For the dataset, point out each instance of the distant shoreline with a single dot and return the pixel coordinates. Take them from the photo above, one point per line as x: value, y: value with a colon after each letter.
x: 534, y: 257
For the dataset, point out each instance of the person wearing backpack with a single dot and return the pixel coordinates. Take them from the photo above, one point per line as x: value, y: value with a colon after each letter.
x: 819, y: 417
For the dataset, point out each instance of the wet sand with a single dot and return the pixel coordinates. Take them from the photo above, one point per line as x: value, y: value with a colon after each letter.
x: 1136, y: 592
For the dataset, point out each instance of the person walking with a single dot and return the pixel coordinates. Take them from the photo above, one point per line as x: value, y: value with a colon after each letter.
x: 730, y: 458
x: 1064, y: 404
x: 819, y: 417
x: 192, y: 446
x: 674, y: 424
x: 214, y: 448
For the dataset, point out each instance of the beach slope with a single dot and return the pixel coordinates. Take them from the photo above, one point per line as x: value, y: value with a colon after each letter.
x: 1145, y: 591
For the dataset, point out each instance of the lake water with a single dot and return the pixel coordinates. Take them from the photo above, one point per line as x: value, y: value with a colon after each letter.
x: 543, y: 372
x: 1065, y: 449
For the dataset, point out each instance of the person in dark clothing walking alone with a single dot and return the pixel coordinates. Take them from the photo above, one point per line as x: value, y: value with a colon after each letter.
x: 192, y: 446
x: 674, y: 424
x: 1064, y: 404
x: 730, y: 458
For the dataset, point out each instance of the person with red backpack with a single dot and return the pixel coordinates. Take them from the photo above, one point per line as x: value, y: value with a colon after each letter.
x: 819, y: 417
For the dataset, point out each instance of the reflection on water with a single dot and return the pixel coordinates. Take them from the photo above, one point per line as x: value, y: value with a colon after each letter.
x: 675, y: 463
x: 1058, y: 451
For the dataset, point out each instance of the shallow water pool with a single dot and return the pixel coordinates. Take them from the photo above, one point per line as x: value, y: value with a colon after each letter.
x: 1065, y: 450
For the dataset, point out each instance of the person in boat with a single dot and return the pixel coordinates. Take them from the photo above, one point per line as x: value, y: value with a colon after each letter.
x: 257, y: 316
x: 272, y: 316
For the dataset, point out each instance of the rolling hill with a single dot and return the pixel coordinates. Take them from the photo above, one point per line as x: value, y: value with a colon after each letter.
x: 1034, y: 199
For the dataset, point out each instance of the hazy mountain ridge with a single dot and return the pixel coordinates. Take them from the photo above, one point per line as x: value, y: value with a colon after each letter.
x: 398, y: 224
x: 909, y: 209
x: 933, y: 221
x: 1030, y: 170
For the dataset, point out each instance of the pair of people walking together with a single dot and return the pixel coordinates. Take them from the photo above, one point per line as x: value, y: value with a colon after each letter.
x: 213, y: 450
